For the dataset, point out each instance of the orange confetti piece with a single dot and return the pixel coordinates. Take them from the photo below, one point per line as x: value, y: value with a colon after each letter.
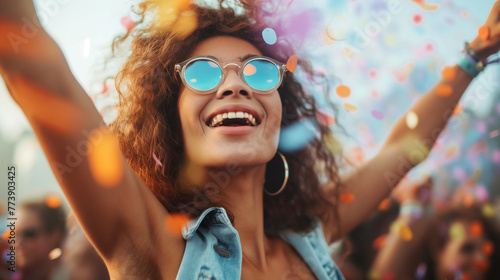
x: 484, y: 33
x: 405, y: 233
x: 458, y: 109
x: 291, y: 64
x: 343, y: 91
x: 186, y: 24
x: 488, y: 248
x: 385, y: 204
x: 53, y: 201
x: 449, y: 73
x: 347, y: 197
x: 105, y: 159
x: 476, y: 228
x: 6, y: 234
x: 379, y: 242
x: 349, y: 107
x: 444, y: 90
x: 174, y: 223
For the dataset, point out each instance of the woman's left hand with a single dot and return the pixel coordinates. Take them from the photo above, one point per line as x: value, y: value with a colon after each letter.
x: 488, y: 40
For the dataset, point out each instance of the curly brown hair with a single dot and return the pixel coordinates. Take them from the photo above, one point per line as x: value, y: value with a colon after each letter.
x: 148, y: 119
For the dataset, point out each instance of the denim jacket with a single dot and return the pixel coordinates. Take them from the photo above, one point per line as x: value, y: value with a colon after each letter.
x: 213, y: 249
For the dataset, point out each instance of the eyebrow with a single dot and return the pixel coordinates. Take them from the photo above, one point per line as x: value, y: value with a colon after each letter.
x: 240, y: 58
x: 247, y: 57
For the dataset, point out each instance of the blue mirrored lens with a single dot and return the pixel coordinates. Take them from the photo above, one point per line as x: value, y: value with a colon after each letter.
x: 203, y: 75
x: 261, y: 75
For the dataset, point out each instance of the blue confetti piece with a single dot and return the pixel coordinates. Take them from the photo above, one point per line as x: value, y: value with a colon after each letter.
x: 269, y: 36
x: 298, y: 135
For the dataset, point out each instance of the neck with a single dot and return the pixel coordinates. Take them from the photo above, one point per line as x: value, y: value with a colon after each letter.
x: 242, y: 193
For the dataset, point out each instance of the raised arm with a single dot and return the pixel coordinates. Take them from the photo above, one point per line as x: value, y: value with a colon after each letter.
x: 116, y: 209
x: 408, y: 146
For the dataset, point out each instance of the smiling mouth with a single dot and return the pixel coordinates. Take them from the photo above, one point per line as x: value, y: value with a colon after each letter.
x: 233, y: 119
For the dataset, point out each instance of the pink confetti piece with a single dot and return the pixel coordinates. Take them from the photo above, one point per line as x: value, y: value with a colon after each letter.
x: 496, y: 156
x: 378, y: 115
x: 127, y: 22
x: 157, y: 160
x: 494, y: 133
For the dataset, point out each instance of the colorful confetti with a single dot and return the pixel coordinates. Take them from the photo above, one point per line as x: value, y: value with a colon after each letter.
x: 325, y: 118
x: 269, y: 36
x: 186, y: 24
x: 55, y: 253
x: 476, y: 228
x: 127, y: 22
x: 297, y: 135
x: 349, y: 107
x: 458, y: 109
x: 174, y: 223
x: 53, y: 201
x: 444, y: 90
x: 449, y: 73
x: 379, y: 242
x: 343, y: 91
x: 488, y: 248
x: 427, y: 7
x: 411, y: 120
x: 457, y: 231
x: 421, y: 270
x: 377, y: 114
x: 494, y: 133
x: 6, y: 234
x: 105, y: 160
x: 157, y: 160
x: 347, y: 197
x: 405, y: 233
x: 417, y: 18
x: 488, y: 210
x: 484, y: 33
x: 291, y: 64
x: 385, y: 204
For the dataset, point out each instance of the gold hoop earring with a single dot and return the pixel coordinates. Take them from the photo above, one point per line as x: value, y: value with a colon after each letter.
x: 280, y: 179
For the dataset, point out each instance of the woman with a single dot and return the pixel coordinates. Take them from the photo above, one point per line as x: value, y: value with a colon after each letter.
x: 208, y: 164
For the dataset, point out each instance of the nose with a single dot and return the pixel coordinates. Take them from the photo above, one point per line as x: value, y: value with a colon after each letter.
x: 233, y: 85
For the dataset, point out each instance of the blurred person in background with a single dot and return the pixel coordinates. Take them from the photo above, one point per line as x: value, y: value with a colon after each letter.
x: 40, y: 235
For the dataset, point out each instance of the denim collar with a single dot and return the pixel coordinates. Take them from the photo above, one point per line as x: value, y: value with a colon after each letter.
x: 214, y: 215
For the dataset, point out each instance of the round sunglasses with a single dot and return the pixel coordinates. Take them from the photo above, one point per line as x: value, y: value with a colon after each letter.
x: 204, y: 74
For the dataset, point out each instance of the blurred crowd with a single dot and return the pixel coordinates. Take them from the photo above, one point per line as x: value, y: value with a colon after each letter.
x: 50, y: 245
x: 413, y: 237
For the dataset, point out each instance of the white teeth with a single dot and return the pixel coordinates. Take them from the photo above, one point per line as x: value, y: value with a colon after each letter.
x: 218, y: 119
